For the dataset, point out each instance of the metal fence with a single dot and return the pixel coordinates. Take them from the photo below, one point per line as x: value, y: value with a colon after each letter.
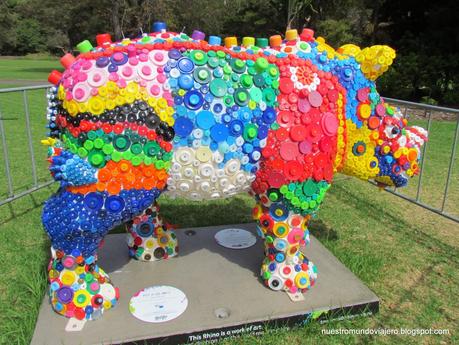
x: 418, y: 112
x: 11, y: 117
x: 10, y: 99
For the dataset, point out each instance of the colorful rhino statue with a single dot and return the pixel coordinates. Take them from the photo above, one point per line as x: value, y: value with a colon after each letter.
x: 197, y: 119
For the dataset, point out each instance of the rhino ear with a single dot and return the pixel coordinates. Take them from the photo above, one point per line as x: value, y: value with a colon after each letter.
x: 374, y: 60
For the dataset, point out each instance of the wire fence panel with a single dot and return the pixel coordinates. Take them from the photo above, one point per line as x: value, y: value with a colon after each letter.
x: 23, y: 167
x: 437, y: 186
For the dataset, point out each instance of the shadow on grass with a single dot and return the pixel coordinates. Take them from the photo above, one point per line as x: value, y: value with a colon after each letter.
x: 395, y: 222
x: 321, y: 231
x: 11, y: 213
x: 37, y: 70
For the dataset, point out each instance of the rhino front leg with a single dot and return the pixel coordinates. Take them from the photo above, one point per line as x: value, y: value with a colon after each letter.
x: 285, y: 233
x: 78, y: 287
x: 149, y: 238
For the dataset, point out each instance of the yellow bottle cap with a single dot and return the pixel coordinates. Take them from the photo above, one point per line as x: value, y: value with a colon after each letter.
x: 248, y: 41
x: 291, y: 35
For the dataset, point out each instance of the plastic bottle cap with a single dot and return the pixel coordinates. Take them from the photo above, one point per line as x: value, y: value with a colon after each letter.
x: 307, y: 35
x: 230, y: 41
x: 54, y: 77
x: 248, y: 41
x: 159, y: 26
x: 198, y: 35
x: 262, y: 42
x: 103, y: 39
x: 261, y: 64
x: 85, y: 46
x: 291, y: 35
x: 215, y: 40
x: 275, y: 41
x: 219, y: 132
x: 67, y: 60
x: 218, y: 87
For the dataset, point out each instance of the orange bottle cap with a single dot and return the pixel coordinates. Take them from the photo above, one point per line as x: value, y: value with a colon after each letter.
x: 275, y: 41
x: 230, y: 41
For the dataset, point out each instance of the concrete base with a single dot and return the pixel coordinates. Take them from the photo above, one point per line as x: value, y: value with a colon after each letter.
x: 218, y: 282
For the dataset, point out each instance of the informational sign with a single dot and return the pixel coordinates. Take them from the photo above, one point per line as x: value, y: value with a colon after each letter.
x: 158, y: 304
x: 235, y: 238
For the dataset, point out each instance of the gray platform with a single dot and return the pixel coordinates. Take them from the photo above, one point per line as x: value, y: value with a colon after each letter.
x: 212, y: 277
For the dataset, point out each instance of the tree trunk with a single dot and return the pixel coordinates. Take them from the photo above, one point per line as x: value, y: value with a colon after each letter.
x: 115, y: 20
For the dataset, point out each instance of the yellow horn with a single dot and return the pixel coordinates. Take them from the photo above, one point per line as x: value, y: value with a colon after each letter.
x: 374, y: 60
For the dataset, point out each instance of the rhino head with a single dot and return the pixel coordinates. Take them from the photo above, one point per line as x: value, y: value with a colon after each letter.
x: 380, y: 145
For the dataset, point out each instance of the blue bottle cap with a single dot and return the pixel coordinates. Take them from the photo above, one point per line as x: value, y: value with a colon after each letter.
x: 186, y: 81
x: 205, y: 119
x: 236, y: 127
x: 262, y: 132
x: 269, y: 115
x: 185, y: 65
x: 145, y: 229
x: 94, y: 201
x: 215, y: 40
x: 159, y: 26
x: 102, y: 61
x: 219, y: 132
x: 193, y: 99
x: 112, y: 68
x: 183, y: 126
x: 114, y: 204
x: 174, y: 54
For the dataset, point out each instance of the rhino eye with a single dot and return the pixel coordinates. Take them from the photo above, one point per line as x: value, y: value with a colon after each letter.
x: 392, y: 132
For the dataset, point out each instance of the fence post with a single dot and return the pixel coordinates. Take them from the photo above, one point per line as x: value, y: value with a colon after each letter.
x: 29, y: 138
x: 6, y: 157
x: 451, y: 163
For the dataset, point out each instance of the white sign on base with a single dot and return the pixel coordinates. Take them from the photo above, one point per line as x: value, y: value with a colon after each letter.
x: 235, y: 238
x: 158, y: 304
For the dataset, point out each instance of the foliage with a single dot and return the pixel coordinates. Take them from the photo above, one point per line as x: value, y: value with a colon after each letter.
x: 425, y: 34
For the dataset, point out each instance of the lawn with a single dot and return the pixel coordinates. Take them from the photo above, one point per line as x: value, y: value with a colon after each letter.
x: 407, y: 255
x: 23, y: 71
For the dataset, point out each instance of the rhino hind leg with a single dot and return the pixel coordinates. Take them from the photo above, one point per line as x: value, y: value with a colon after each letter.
x: 285, y: 234
x: 149, y: 237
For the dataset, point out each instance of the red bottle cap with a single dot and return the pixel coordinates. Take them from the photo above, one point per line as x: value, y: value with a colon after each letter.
x: 54, y: 77
x: 307, y: 35
x: 67, y: 60
x: 103, y: 39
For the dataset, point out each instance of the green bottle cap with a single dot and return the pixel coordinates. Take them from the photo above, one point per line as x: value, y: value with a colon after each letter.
x: 261, y: 64
x: 116, y: 156
x: 262, y: 42
x: 88, y: 145
x: 96, y: 158
x: 250, y: 132
x: 127, y: 155
x: 136, y: 148
x: 218, y: 87
x: 82, y: 152
x: 136, y: 160
x: 85, y: 46
x: 98, y: 143
x: 107, y: 149
x: 246, y: 81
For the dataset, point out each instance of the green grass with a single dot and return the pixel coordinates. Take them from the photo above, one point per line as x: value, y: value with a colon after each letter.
x: 17, y: 71
x: 407, y: 255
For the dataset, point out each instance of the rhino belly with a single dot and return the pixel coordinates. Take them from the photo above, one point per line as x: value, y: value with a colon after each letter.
x: 198, y: 173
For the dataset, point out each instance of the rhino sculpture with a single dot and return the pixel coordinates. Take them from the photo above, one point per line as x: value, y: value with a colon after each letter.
x: 196, y: 119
